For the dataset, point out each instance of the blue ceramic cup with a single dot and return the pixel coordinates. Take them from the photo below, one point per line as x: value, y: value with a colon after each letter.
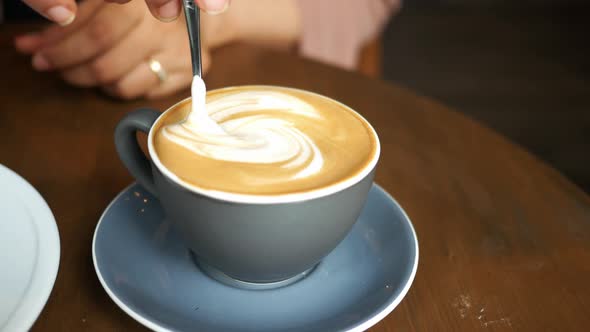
x: 245, y: 241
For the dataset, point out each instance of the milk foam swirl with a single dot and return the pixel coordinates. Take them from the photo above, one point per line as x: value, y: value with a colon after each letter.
x: 254, y: 127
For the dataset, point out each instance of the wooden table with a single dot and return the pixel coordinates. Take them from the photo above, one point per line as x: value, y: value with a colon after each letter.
x: 504, y: 239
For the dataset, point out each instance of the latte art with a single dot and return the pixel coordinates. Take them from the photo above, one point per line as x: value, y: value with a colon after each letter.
x: 262, y: 140
x: 253, y: 131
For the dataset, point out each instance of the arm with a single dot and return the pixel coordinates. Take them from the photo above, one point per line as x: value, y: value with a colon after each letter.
x: 334, y: 31
x: 331, y: 31
x: 269, y: 23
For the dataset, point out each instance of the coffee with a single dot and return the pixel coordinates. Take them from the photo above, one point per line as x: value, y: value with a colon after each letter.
x: 274, y: 141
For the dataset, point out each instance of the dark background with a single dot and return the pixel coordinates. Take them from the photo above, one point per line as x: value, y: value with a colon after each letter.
x: 520, y: 67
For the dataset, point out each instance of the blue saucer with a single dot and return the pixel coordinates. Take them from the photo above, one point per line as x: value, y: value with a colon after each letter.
x: 146, y: 269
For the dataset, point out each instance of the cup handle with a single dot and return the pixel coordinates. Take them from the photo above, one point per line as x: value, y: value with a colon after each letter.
x: 128, y: 148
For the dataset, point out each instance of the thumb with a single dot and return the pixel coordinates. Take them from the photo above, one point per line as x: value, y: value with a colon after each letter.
x: 213, y: 7
x: 168, y: 10
x: 61, y: 12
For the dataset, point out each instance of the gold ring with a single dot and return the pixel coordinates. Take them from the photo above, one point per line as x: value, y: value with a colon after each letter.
x: 156, y: 68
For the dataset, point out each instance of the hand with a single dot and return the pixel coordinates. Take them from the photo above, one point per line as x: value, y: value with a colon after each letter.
x: 109, y: 46
x: 169, y: 10
x: 63, y: 12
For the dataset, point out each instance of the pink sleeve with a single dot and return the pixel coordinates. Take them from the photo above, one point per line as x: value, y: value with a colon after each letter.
x: 334, y: 31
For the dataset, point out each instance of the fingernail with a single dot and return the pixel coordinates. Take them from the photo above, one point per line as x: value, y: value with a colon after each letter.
x: 212, y: 7
x: 61, y: 15
x: 169, y: 11
x: 40, y: 62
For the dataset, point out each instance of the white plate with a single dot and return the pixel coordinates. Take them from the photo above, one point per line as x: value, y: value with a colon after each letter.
x: 29, y: 252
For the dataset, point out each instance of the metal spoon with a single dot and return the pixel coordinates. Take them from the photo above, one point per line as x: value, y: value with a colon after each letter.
x: 191, y: 12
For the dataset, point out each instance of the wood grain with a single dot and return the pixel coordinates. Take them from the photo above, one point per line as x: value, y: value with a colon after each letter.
x: 504, y: 239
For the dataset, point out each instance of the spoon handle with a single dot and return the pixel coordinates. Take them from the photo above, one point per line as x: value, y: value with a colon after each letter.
x: 191, y: 13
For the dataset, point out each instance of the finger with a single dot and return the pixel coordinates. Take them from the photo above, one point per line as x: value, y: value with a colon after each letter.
x: 164, y: 10
x: 169, y: 10
x: 213, y: 7
x: 100, y: 34
x: 180, y: 78
x: 143, y: 81
x: 135, y: 84
x: 29, y: 43
x: 176, y: 82
x: 114, y: 63
x: 33, y: 42
x: 62, y: 12
x: 210, y: 6
x: 86, y: 11
x: 81, y: 76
